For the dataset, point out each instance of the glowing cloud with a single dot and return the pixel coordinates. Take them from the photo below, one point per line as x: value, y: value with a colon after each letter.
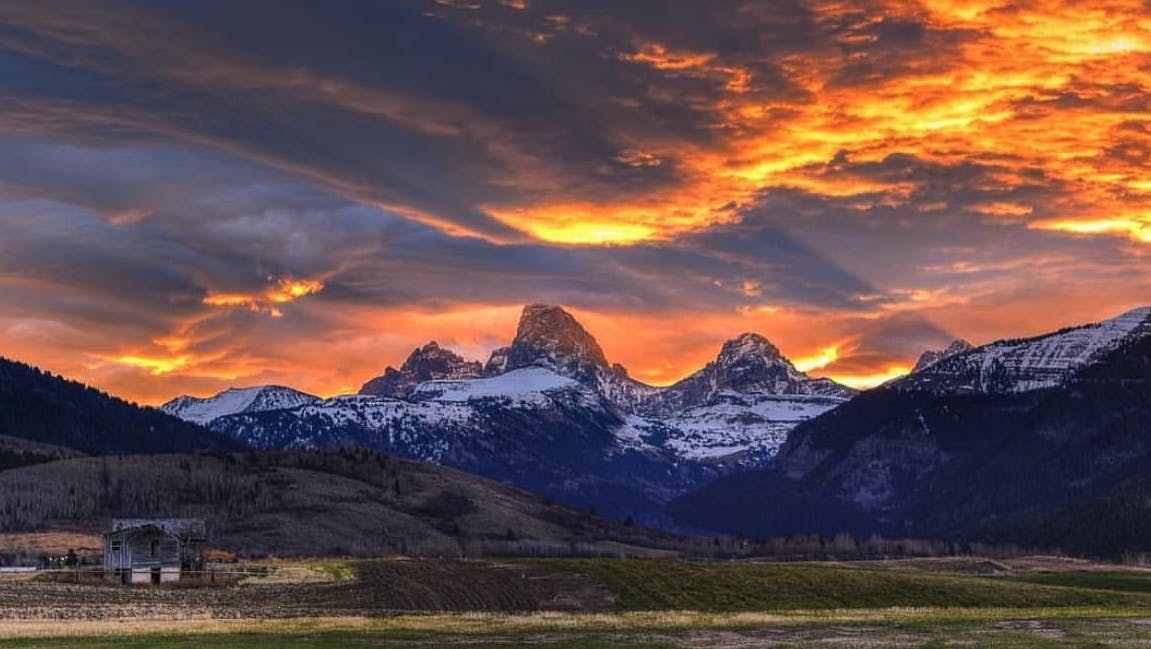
x: 281, y: 292
x: 825, y: 357
x: 155, y: 366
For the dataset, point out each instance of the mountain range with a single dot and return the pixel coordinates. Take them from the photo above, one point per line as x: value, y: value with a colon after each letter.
x: 548, y: 413
x: 1043, y: 441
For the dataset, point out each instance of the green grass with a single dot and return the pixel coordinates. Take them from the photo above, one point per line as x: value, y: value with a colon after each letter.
x: 666, y: 585
x: 1131, y: 582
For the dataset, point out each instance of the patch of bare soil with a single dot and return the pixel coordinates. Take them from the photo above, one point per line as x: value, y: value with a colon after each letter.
x: 51, y: 543
x: 381, y: 588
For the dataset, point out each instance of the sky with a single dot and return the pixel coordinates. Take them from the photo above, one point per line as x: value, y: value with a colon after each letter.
x: 197, y: 195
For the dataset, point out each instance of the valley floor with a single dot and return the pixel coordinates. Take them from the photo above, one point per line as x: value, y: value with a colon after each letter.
x: 596, y: 603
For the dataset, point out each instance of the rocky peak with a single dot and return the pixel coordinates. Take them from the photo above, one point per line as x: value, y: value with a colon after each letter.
x: 428, y: 363
x: 751, y: 363
x: 933, y: 356
x: 746, y: 364
x: 548, y: 330
x: 749, y: 347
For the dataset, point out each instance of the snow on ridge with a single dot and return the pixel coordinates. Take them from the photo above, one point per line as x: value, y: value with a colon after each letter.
x: 1022, y: 365
x: 528, y: 384
x: 1044, y: 362
x: 203, y: 411
x: 234, y: 401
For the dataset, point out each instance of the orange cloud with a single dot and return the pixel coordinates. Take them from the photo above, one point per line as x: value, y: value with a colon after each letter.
x: 281, y: 292
x: 1050, y: 86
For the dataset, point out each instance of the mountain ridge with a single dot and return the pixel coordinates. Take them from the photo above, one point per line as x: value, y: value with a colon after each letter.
x: 1025, y: 458
x: 623, y: 443
x: 39, y: 406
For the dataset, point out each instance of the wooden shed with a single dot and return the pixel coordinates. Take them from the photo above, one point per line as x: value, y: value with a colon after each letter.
x: 141, y: 551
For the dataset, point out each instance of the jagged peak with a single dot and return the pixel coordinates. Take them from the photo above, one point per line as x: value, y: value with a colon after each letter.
x: 958, y: 346
x: 551, y: 329
x: 748, y: 345
x: 426, y: 363
x: 433, y: 349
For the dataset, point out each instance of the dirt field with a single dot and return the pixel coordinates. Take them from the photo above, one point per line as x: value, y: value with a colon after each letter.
x: 311, y: 589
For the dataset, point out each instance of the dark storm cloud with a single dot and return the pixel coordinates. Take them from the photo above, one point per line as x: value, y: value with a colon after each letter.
x: 375, y: 99
x: 166, y: 167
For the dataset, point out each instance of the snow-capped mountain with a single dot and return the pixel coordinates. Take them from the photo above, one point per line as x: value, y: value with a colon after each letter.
x: 428, y: 363
x: 638, y: 442
x: 1047, y: 361
x: 236, y: 400
x: 747, y: 365
x: 530, y: 426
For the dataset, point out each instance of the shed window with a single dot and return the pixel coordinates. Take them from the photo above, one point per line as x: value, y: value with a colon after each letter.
x: 155, y: 547
x: 116, y: 545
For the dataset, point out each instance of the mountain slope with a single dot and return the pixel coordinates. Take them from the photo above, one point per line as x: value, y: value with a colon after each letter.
x: 1060, y: 432
x: 529, y: 427
x: 1029, y: 364
x: 38, y: 406
x: 312, y: 504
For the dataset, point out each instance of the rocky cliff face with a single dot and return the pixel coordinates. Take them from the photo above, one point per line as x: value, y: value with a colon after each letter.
x: 548, y: 336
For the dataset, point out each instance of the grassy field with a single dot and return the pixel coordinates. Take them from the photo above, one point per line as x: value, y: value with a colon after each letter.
x: 658, y: 585
x: 600, y: 603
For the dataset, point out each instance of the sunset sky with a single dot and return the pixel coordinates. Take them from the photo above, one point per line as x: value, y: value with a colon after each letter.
x: 196, y: 195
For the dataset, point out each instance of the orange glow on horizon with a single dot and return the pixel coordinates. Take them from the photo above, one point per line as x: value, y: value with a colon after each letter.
x: 867, y: 381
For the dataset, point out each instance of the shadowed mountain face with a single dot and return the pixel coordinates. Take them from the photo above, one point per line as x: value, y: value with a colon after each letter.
x: 550, y: 413
x: 40, y: 407
x: 1044, y: 441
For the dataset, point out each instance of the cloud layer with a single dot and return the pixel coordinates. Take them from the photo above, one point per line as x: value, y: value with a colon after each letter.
x: 195, y: 195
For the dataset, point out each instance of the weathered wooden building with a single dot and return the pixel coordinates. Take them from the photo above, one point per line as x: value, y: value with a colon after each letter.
x: 153, y: 550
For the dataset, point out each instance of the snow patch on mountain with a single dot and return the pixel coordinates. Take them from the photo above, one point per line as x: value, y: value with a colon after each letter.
x: 527, y: 385
x: 733, y: 428
x: 236, y: 400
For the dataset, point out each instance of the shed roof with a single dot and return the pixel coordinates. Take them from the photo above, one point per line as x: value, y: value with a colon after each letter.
x: 186, y: 529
